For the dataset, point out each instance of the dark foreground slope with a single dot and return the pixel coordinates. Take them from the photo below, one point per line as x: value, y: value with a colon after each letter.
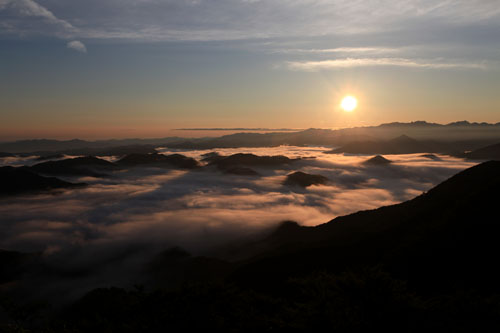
x: 445, y: 238
x: 428, y: 264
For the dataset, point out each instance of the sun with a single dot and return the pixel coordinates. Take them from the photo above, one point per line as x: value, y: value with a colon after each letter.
x: 348, y: 103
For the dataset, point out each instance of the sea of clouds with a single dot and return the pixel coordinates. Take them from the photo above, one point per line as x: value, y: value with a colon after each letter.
x: 117, y: 223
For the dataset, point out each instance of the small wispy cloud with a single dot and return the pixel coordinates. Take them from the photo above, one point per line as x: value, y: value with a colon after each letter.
x: 77, y: 46
x: 340, y: 50
x: 374, y: 62
x: 18, y: 13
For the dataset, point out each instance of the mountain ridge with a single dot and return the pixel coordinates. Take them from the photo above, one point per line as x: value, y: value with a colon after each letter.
x: 408, y: 238
x: 477, y: 133
x: 22, y: 180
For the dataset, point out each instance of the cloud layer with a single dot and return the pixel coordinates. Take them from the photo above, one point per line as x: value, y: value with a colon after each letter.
x: 243, y: 19
x: 442, y: 34
x: 118, y: 223
x: 375, y: 62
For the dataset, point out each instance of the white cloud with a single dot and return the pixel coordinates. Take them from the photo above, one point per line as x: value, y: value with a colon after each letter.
x: 230, y: 19
x: 353, y: 30
x: 339, y: 50
x: 77, y: 46
x: 29, y: 17
x: 372, y: 62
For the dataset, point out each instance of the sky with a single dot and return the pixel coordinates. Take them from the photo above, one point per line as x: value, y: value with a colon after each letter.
x: 141, y: 68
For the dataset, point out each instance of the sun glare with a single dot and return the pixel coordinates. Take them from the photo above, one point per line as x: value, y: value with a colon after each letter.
x: 348, y: 103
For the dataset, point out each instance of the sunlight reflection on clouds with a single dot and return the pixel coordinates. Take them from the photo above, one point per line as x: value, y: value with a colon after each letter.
x: 117, y: 224
x: 200, y: 208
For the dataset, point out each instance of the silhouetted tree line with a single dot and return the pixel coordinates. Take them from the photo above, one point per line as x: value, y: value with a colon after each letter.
x: 361, y: 301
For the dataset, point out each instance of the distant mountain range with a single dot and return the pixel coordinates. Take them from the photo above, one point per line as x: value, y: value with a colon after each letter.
x: 155, y: 159
x: 406, y: 145
x: 462, y: 123
x: 459, y: 136
x: 491, y: 152
x: 79, y: 166
x: 76, y: 146
x: 401, y: 145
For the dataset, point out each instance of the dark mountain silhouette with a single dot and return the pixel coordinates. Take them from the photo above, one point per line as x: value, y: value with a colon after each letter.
x: 421, y: 123
x: 241, y: 171
x: 307, y: 137
x: 251, y: 160
x: 24, y: 146
x: 94, y: 151
x: 427, y: 264
x: 443, y: 239
x: 431, y: 157
x: 113, y: 151
x: 304, y: 179
x: 214, y: 158
x: 6, y: 154
x: 418, y: 123
x: 377, y: 160
x: 433, y: 137
x: 454, y: 137
x: 50, y: 157
x: 79, y: 166
x: 13, y: 265
x: 52, y: 146
x: 175, y: 267
x: 155, y: 159
x: 465, y: 123
x: 401, y: 145
x: 211, y: 157
x: 486, y: 153
x: 23, y: 181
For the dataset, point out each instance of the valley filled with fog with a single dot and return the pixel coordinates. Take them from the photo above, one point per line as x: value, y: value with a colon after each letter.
x: 113, y: 226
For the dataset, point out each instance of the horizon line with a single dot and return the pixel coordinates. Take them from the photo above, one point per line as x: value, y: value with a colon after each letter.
x: 239, y: 129
x: 256, y: 129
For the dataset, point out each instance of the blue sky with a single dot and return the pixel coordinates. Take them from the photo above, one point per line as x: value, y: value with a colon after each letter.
x: 109, y: 68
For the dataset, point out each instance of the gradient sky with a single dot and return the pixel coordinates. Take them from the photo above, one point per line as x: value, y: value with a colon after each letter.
x: 140, y: 68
